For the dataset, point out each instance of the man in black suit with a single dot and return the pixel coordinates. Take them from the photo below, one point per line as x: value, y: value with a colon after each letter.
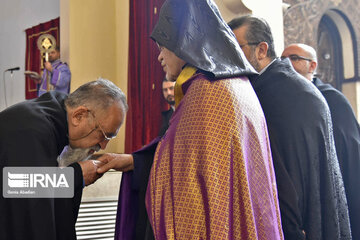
x: 346, y: 128
x: 33, y: 133
x: 309, y: 182
x: 168, y: 93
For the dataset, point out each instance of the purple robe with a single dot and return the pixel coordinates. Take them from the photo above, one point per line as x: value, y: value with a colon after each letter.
x: 224, y: 186
x: 60, y: 78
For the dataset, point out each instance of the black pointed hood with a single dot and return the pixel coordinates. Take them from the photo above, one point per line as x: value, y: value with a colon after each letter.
x: 195, y: 31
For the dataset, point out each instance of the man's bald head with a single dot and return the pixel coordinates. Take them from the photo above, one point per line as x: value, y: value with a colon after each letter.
x: 303, y: 58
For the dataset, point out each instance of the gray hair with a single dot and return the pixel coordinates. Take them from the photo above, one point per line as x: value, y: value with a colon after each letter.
x: 258, y: 31
x: 98, y: 94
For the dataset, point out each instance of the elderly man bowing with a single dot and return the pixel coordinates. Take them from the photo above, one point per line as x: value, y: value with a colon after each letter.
x: 33, y: 134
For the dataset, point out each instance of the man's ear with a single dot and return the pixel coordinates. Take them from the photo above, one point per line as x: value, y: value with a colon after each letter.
x: 261, y: 50
x: 312, y: 67
x: 78, y: 115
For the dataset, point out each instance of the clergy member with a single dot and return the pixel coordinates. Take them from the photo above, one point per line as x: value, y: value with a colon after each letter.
x: 212, y: 175
x: 33, y: 133
x: 168, y: 88
x: 346, y: 128
x: 56, y: 75
x: 311, y: 191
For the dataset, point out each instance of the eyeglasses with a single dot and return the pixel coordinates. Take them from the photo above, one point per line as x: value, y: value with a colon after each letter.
x: 294, y: 57
x: 249, y: 44
x: 101, y: 129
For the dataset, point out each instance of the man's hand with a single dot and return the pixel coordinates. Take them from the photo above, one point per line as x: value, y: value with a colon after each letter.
x: 89, y: 168
x: 119, y: 162
x: 34, y: 76
x: 48, y: 66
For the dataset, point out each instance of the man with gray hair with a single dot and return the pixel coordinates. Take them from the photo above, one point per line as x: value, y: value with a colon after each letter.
x: 346, y: 127
x: 33, y: 133
x: 311, y: 191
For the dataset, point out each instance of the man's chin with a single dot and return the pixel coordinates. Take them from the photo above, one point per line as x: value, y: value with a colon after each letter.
x: 71, y: 155
x: 171, y: 102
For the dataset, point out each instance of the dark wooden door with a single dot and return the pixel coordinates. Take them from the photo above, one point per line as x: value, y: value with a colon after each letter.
x: 330, y: 65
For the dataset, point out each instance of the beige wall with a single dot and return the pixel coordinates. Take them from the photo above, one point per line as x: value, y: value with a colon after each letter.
x: 351, y: 92
x: 94, y: 39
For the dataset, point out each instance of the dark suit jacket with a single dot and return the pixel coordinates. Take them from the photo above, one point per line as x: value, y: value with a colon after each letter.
x: 33, y: 133
x: 310, y: 188
x: 165, y: 117
x: 347, y: 142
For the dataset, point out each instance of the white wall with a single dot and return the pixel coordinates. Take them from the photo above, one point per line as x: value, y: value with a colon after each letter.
x: 270, y: 10
x: 15, y: 17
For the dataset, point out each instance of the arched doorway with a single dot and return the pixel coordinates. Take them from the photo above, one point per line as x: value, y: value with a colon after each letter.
x: 336, y: 49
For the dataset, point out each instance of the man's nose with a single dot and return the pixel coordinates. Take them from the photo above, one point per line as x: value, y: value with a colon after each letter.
x: 160, y: 57
x: 103, y: 144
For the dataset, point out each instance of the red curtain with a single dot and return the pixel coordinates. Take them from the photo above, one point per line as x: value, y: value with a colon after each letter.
x: 33, y: 60
x: 145, y: 76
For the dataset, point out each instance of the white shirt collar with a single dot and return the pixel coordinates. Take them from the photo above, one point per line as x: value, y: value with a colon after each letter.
x: 264, y: 69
